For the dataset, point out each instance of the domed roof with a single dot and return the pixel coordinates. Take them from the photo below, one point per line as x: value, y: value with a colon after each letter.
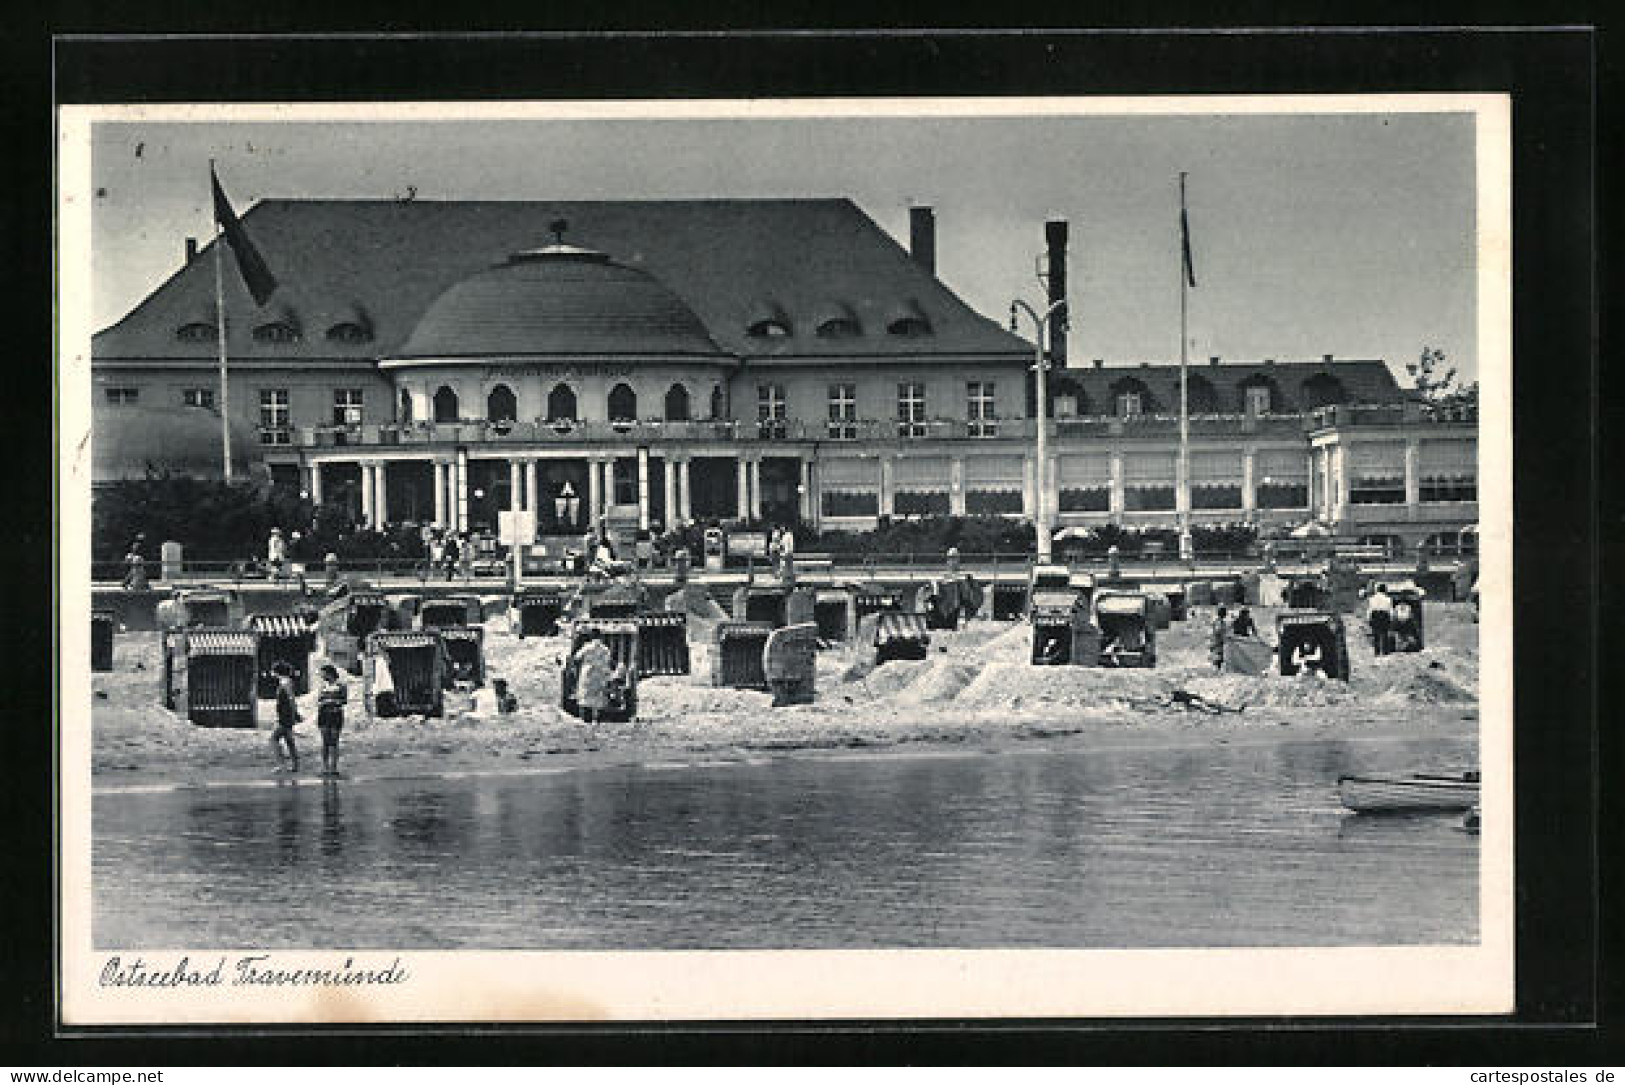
x: 558, y: 299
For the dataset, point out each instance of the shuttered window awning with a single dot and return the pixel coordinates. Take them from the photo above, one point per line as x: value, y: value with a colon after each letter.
x: 921, y: 472
x: 403, y: 640
x: 474, y: 633
x: 1378, y: 461
x: 1448, y: 459
x: 1281, y: 465
x: 1094, y: 469
x: 221, y: 642
x: 1216, y: 467
x: 892, y: 626
x: 1159, y: 468
x: 849, y: 474
x: 994, y: 472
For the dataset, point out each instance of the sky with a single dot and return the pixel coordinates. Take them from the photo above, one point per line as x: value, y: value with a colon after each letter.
x: 1312, y: 234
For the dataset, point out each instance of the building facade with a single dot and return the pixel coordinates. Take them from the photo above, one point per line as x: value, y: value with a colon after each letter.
x: 672, y: 361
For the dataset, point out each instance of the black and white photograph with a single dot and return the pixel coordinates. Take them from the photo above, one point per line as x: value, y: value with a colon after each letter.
x: 799, y: 558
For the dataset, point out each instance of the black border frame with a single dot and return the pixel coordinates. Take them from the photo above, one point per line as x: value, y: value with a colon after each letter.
x: 1552, y: 76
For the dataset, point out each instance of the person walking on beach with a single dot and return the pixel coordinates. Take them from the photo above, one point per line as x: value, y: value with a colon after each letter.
x: 1379, y: 615
x: 276, y: 554
x: 1216, y: 638
x: 594, y: 668
x: 287, y: 714
x: 330, y: 716
x: 135, y: 565
x: 450, y: 554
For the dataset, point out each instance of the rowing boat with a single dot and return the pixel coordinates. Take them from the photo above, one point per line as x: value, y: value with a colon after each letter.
x: 1417, y: 791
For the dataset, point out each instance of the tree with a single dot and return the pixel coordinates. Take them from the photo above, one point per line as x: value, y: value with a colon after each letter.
x: 1438, y: 388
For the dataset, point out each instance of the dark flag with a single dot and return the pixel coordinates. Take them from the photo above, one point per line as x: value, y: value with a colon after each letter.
x: 1185, y: 239
x: 256, y: 276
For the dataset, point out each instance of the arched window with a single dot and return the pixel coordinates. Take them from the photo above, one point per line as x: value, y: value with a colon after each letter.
x: 1130, y: 397
x: 445, y: 405
x: 276, y: 332
x: 677, y: 403
x: 623, y: 404
x: 1200, y: 395
x: 197, y: 332
x: 406, y: 405
x: 1260, y: 396
x: 500, y: 405
x: 717, y: 404
x: 561, y: 404
x: 1322, y: 389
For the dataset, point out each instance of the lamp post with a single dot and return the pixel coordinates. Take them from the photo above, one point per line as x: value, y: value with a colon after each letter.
x: 1040, y: 366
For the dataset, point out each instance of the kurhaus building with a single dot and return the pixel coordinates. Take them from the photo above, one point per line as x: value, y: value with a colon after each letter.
x: 768, y: 360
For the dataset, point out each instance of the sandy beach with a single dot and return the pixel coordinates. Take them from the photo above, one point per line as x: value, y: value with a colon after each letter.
x: 976, y: 690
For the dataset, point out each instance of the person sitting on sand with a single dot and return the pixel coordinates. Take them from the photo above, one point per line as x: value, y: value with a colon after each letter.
x: 330, y: 700
x: 494, y: 700
x: 506, y: 702
x: 1310, y: 660
x: 287, y: 714
x: 1243, y: 625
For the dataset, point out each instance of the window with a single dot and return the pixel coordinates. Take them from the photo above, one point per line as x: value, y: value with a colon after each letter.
x: 1148, y: 481
x: 770, y: 424
x: 624, y: 482
x: 276, y: 333
x: 348, y: 332
x: 346, y: 406
x: 1085, y: 482
x: 623, y: 404
x: 275, y: 420
x: 1448, y: 471
x: 1129, y: 404
x: 843, y: 412
x: 123, y: 395
x: 445, y: 405
x: 1216, y: 479
x: 677, y: 404
x: 197, y: 332
x: 911, y: 409
x: 501, y: 405
x: 770, y: 328
x: 980, y: 409
x: 920, y: 486
x: 1258, y: 399
x: 840, y: 327
x: 198, y: 397
x: 561, y: 404
x: 994, y: 485
x: 1281, y: 479
x: 849, y: 487
x: 1376, y: 474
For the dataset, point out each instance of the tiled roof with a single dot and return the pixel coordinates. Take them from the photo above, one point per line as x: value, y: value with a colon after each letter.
x: 1220, y: 388
x: 724, y: 259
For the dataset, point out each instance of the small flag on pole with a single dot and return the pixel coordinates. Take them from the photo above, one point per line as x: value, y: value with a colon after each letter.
x: 1185, y: 236
x: 256, y: 276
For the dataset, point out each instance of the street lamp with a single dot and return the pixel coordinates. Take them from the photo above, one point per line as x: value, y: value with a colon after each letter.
x: 1040, y: 366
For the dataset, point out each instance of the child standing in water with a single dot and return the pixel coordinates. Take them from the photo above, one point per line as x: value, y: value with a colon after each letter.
x: 330, y: 716
x: 287, y: 714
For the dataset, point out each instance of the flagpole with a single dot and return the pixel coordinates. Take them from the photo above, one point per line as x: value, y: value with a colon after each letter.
x: 220, y: 336
x: 1183, y: 494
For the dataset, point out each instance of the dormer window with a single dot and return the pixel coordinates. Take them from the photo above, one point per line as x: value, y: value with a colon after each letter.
x: 839, y: 328
x: 197, y: 332
x: 908, y: 319
x: 276, y: 332
x: 770, y: 329
x: 349, y: 332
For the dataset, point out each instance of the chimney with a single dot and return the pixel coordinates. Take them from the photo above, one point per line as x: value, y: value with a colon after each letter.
x: 1327, y: 358
x: 191, y: 249
x: 1055, y: 237
x: 1214, y: 360
x: 1100, y: 363
x: 922, y: 237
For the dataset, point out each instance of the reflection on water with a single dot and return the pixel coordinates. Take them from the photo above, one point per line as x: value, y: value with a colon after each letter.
x: 1061, y: 847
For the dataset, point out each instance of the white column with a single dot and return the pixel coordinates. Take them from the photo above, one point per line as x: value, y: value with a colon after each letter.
x: 1052, y: 496
x: 595, y: 492
x: 1345, y: 482
x: 683, y: 496
x: 380, y: 493
x: 462, y: 489
x: 516, y: 486
x: 643, y: 488
x: 742, y: 489
x: 1118, y: 501
x: 755, y: 489
x: 1413, y: 472
x: 315, y: 484
x: 1182, y: 485
x: 669, y: 490
x: 532, y: 494
x: 439, y: 493
x: 956, y: 486
x: 804, y: 507
x: 1249, y: 466
x: 888, y: 486
x: 1029, y: 487
x: 368, y: 508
